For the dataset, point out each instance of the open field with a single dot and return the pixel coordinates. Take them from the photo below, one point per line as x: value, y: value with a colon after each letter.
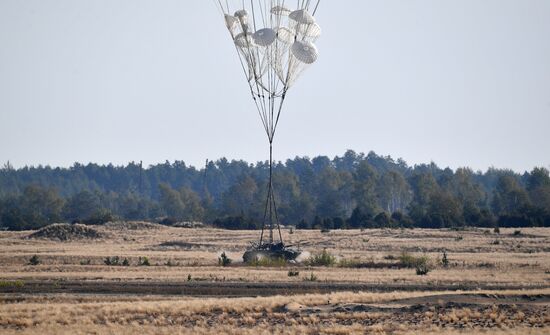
x: 498, y: 283
x: 340, y: 313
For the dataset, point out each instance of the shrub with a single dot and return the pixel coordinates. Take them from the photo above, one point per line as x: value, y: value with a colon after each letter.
x: 495, y: 242
x: 409, y: 261
x: 293, y: 273
x: 143, y: 261
x: 17, y: 283
x: 422, y: 269
x: 517, y: 232
x: 459, y: 238
x: 223, y: 260
x: 496, y: 230
x: 322, y: 259
x: 445, y: 259
x: 34, y: 260
x: 420, y: 264
x: 125, y: 262
x: 311, y: 277
x: 85, y: 262
x: 112, y: 261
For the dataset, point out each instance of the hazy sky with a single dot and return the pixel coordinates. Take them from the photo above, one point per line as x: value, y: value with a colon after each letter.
x: 462, y: 83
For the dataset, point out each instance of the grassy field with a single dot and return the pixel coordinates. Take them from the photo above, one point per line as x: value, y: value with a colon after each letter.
x: 505, y: 282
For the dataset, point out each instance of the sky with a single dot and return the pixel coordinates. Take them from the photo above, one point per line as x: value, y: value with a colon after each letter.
x: 459, y: 83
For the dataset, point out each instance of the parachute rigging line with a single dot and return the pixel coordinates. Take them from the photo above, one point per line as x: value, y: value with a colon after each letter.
x: 275, y: 43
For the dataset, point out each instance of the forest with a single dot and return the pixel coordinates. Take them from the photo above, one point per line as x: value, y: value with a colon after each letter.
x: 350, y: 191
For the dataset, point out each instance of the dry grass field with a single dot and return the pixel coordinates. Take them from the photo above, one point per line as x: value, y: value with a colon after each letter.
x: 504, y: 280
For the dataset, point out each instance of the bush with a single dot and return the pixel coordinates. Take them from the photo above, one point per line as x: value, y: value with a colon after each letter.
x: 496, y: 230
x: 517, y: 232
x: 311, y: 277
x: 293, y: 273
x: 409, y: 261
x: 143, y: 261
x: 420, y: 264
x: 422, y: 269
x: 223, y: 260
x: 445, y: 259
x: 85, y: 262
x: 322, y: 259
x: 34, y: 260
x: 17, y: 283
x: 112, y: 261
x: 125, y: 262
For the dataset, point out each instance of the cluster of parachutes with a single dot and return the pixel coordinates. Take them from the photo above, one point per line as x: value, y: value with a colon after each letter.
x: 275, y: 43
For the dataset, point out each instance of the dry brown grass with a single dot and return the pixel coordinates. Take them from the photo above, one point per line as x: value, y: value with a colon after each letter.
x: 305, y: 314
x: 515, y: 261
x: 196, y: 251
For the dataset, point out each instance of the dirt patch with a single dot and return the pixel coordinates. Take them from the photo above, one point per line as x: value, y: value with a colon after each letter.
x: 66, y: 232
x: 181, y: 245
x: 229, y: 289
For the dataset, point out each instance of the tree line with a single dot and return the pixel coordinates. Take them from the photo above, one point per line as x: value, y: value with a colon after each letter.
x: 350, y: 191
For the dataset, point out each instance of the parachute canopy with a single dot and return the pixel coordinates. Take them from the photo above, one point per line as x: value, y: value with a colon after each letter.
x: 275, y: 40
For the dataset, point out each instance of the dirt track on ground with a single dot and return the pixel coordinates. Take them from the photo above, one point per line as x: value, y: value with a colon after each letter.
x: 228, y: 289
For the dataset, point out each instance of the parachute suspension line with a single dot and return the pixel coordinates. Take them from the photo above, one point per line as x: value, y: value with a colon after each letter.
x: 265, y: 212
x: 316, y: 7
x: 274, y: 44
x: 218, y: 6
x: 271, y: 192
x: 271, y: 216
x: 253, y: 14
x: 252, y: 90
x: 262, y: 14
x: 280, y: 107
x: 253, y: 67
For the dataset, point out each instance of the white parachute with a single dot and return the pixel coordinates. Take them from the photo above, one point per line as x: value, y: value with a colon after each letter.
x: 275, y: 42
